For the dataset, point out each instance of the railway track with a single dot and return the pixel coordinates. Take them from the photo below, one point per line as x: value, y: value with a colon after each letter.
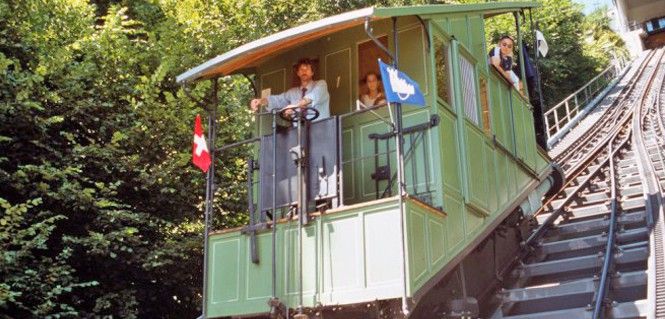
x: 577, y: 153
x: 598, y: 249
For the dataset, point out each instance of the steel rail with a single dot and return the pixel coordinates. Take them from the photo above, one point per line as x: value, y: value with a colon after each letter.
x: 559, y: 211
x: 642, y: 112
x: 589, y: 159
x: 593, y: 154
x: 659, y: 230
x: 653, y: 195
x: 579, y: 169
x: 598, y: 126
x: 573, y: 172
x: 560, y: 266
x: 567, y: 153
x: 603, y: 286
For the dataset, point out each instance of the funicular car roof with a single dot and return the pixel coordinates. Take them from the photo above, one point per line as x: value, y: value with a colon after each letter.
x: 253, y: 53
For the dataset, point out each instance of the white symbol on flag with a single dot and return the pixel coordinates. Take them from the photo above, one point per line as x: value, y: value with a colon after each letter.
x: 200, y: 143
x: 399, y: 85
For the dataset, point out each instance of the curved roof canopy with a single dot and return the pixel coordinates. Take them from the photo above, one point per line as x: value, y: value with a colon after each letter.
x: 253, y: 53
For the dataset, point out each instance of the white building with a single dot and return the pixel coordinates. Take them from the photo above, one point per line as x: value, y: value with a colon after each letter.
x: 641, y: 23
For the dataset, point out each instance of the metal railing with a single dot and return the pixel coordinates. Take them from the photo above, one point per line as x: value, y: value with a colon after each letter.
x: 383, y: 159
x: 563, y: 115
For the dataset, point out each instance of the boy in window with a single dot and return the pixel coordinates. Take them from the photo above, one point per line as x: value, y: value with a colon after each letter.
x: 502, y: 58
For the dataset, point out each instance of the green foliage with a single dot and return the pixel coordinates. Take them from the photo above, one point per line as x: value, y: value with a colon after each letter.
x: 36, y: 281
x: 602, y: 44
x: 102, y: 209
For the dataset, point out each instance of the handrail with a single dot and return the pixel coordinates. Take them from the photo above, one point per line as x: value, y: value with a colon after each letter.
x: 563, y: 113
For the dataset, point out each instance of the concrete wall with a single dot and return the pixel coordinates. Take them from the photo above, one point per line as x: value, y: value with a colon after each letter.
x: 636, y: 12
x: 642, y: 10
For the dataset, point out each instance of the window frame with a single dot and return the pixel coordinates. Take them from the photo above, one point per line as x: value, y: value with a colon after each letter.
x: 437, y: 32
x: 463, y: 52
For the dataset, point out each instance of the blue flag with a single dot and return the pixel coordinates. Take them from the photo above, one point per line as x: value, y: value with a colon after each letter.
x: 399, y: 87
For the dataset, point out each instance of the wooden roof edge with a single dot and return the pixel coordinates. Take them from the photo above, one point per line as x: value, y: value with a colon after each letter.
x: 272, y: 40
x: 231, y: 61
x: 434, y: 9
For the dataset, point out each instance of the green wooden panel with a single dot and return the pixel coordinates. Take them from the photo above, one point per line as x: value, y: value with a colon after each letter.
x: 263, y: 289
x: 530, y: 135
x: 523, y: 179
x: 419, y: 167
x: 455, y: 221
x: 360, y: 255
x: 382, y: 248
x: 492, y: 191
x: 343, y: 263
x: 507, y: 117
x: 291, y: 275
x: 498, y: 108
x: 518, y: 115
x: 449, y: 150
x: 444, y: 24
x: 459, y: 29
x: 503, y: 182
x: 514, y: 170
x: 418, y: 240
x: 338, y: 78
x: 228, y: 291
x: 474, y: 219
x: 426, y: 244
x: 477, y: 37
x: 275, y: 80
x: 476, y: 167
x: 437, y: 233
x: 412, y: 55
x: 359, y: 156
x: 348, y: 166
x: 543, y: 161
x: 229, y: 275
x: 368, y: 163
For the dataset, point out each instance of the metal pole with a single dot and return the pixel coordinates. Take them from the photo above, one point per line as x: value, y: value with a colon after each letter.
x: 401, y: 189
x: 275, y: 300
x: 212, y: 114
x: 302, y: 208
x: 252, y: 215
x: 538, y: 86
x: 521, y: 53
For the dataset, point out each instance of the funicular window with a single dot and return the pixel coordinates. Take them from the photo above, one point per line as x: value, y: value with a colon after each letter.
x: 369, y: 74
x: 369, y: 53
x: 442, y: 60
x: 468, y: 79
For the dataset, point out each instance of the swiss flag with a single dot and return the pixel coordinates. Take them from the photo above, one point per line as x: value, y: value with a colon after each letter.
x: 200, y: 153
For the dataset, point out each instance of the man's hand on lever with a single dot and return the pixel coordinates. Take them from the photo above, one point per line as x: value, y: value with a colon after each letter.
x: 256, y: 103
x: 289, y: 110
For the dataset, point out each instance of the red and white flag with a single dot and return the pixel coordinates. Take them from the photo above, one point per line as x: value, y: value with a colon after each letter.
x: 200, y: 153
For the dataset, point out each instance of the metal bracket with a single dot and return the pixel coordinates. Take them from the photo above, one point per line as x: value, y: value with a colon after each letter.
x: 381, y: 173
x: 277, y: 308
x: 323, y: 179
x: 463, y: 308
x: 252, y: 230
